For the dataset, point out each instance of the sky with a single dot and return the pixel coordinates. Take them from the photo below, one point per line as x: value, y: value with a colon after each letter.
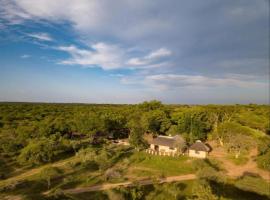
x: 126, y: 51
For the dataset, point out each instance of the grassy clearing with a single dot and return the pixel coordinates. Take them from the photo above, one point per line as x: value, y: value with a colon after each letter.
x: 241, y: 160
x: 144, y: 164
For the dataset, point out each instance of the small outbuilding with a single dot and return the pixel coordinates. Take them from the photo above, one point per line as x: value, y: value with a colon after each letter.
x: 198, y: 150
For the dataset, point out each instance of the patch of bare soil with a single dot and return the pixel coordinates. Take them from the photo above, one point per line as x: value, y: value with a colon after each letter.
x: 12, y: 197
x: 233, y: 170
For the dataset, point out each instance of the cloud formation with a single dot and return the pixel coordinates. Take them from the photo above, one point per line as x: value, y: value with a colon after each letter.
x: 173, y: 81
x: 164, y: 45
x: 109, y: 57
x: 151, y: 58
x: 40, y: 36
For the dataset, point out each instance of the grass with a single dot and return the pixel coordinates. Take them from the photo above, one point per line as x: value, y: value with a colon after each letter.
x: 107, y: 195
x: 145, y: 164
x: 133, y: 165
x: 227, y: 191
x: 241, y: 160
x: 254, y: 184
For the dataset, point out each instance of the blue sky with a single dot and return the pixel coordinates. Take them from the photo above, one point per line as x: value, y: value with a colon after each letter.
x: 125, y: 51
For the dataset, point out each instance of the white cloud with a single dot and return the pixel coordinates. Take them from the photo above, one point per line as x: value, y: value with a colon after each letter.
x: 103, y: 55
x: 151, y: 58
x: 12, y: 12
x: 174, y: 81
x: 168, y: 81
x: 110, y: 56
x: 25, y: 56
x: 41, y: 36
x: 99, y: 17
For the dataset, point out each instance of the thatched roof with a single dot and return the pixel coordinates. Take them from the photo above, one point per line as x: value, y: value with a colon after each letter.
x: 168, y: 141
x: 199, y: 146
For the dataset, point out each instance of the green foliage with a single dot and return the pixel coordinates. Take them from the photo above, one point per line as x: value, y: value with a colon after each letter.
x: 41, y: 133
x: 173, y: 130
x: 209, y: 170
x: 136, y: 134
x: 202, y: 191
x: 156, y: 121
x: 133, y: 193
x: 263, y: 161
x: 253, y: 184
x: 151, y: 105
x: 195, y: 123
x: 264, y: 145
x: 171, y: 191
x: 236, y: 138
x: 104, y: 159
x: 38, y: 152
x: 87, y: 154
x: 9, y: 143
x: 48, y: 173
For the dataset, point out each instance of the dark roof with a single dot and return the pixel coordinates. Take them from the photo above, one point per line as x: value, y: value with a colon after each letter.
x: 167, y: 141
x: 199, y: 146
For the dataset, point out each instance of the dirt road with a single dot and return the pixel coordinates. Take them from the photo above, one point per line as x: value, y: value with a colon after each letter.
x: 126, y: 184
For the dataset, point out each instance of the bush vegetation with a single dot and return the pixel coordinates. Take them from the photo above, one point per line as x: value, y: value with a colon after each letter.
x: 33, y: 135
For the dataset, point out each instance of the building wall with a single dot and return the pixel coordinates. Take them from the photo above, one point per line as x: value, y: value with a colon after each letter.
x: 197, y: 154
x: 163, y: 148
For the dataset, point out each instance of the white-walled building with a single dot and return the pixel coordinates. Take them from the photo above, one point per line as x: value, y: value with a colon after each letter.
x: 198, y: 150
x: 167, y: 144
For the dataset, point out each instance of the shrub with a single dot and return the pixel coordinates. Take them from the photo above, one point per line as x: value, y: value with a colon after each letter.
x: 38, y: 152
x: 263, y: 161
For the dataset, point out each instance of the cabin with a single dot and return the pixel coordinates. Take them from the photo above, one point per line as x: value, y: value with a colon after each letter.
x: 167, y: 145
x: 198, y: 150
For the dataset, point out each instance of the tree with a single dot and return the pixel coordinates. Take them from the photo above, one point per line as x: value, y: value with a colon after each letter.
x: 173, y: 130
x: 133, y: 193
x: 48, y: 174
x: 38, y: 151
x: 136, y: 134
x: 104, y: 159
x: 89, y: 123
x: 155, y: 121
x: 235, y: 138
x: 8, y: 142
x: 113, y: 121
x: 151, y: 105
x: 239, y: 143
x: 264, y: 161
x: 169, y: 191
x: 202, y: 191
x: 195, y: 124
x: 264, y: 145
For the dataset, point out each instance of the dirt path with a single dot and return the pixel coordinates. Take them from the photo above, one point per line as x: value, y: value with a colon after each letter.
x: 238, y: 170
x: 126, y: 184
x: 35, y: 171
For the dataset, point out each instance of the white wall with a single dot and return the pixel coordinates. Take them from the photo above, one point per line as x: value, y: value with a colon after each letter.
x: 163, y: 148
x: 197, y: 154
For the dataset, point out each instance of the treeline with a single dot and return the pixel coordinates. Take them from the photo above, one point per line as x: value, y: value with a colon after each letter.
x: 40, y: 133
